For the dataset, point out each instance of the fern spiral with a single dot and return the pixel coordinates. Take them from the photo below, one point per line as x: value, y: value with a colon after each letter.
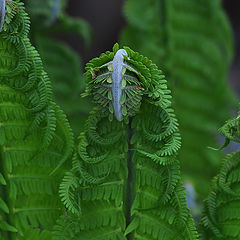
x: 220, y: 218
x: 125, y: 182
x: 35, y: 137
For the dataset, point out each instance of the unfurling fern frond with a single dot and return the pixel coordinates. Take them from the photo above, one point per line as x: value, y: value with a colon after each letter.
x: 192, y: 42
x: 221, y: 218
x: 35, y: 137
x: 113, y: 192
x: 231, y: 130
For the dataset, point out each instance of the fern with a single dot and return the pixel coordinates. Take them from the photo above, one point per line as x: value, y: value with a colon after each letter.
x: 113, y: 192
x: 192, y: 42
x: 35, y: 137
x: 60, y: 61
x: 64, y: 68
x: 220, y: 218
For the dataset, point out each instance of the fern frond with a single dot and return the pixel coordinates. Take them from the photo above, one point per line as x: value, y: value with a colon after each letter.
x: 66, y: 193
x: 35, y: 137
x: 101, y: 197
x: 60, y: 61
x: 221, y: 218
x: 97, y: 180
x: 64, y: 69
x: 36, y: 234
x: 70, y: 226
x: 164, y: 201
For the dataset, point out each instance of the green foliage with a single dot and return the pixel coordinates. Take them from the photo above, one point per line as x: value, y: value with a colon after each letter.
x: 64, y: 68
x: 113, y: 192
x: 36, y: 234
x: 125, y: 179
x: 60, y: 61
x: 35, y: 137
x: 192, y: 42
x: 45, y: 12
x: 221, y: 217
x: 42, y: 11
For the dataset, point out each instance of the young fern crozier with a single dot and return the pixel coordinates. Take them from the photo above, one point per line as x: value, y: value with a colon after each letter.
x: 221, y: 219
x: 125, y: 181
x: 35, y: 137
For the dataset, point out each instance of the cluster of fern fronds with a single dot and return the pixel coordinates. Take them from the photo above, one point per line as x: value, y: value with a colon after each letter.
x: 35, y: 137
x: 125, y: 180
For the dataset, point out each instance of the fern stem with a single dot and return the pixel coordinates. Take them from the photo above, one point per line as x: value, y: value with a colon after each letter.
x: 130, y: 180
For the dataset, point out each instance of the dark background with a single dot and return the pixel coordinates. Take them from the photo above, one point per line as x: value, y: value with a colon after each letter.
x: 106, y: 19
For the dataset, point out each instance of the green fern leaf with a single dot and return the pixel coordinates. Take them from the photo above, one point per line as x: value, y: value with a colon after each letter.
x: 35, y: 136
x: 36, y: 234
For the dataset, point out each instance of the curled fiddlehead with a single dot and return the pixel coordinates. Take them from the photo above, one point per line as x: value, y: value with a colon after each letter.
x: 220, y: 218
x: 113, y: 192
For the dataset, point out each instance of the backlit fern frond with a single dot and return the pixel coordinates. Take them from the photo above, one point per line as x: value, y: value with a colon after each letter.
x: 35, y: 137
x: 113, y: 192
x: 192, y: 42
x: 221, y: 218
